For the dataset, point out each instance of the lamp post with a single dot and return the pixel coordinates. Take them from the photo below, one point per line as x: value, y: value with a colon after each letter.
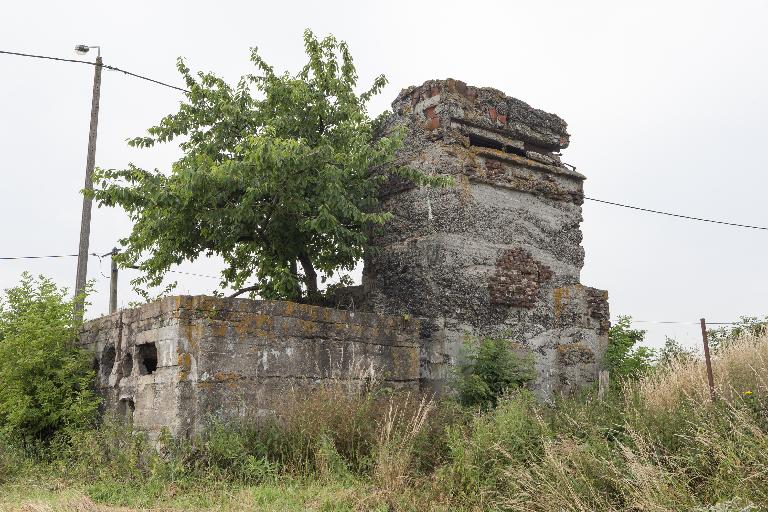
x: 85, y: 221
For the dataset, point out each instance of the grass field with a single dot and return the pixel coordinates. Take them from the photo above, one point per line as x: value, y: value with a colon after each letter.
x: 657, y: 444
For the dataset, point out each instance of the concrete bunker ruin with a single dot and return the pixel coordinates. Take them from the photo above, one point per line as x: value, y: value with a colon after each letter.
x: 496, y: 254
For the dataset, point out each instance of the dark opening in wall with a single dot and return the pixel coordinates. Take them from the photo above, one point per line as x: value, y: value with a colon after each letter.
x: 107, y: 360
x: 127, y: 365
x: 147, y: 357
x: 483, y: 142
x: 125, y: 408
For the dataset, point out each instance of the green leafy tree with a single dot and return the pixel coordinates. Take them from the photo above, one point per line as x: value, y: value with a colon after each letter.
x: 46, y: 380
x: 489, y: 369
x: 623, y: 359
x: 746, y: 326
x: 673, y: 352
x: 278, y: 172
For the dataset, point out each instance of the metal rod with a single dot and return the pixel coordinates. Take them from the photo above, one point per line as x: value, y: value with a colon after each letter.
x: 85, y: 221
x: 708, y: 360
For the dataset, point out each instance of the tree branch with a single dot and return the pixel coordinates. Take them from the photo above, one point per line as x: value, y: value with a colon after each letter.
x: 244, y: 290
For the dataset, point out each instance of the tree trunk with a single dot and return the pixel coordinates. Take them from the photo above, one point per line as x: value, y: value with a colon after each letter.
x: 296, y: 296
x: 310, y: 277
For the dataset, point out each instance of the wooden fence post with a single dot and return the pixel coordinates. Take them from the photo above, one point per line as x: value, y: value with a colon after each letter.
x: 602, y: 384
x: 707, y: 360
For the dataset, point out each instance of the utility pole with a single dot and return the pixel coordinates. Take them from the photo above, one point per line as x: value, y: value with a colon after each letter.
x: 85, y: 221
x: 113, y: 282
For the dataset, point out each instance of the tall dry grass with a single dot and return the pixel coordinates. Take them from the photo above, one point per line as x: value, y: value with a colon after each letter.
x: 740, y: 369
x: 659, y: 445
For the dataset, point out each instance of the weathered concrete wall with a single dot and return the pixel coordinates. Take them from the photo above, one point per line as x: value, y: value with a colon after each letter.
x: 178, y: 362
x: 498, y: 254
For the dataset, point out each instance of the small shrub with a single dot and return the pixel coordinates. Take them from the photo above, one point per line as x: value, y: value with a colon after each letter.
x: 623, y: 359
x: 46, y: 379
x: 673, y: 353
x: 489, y: 369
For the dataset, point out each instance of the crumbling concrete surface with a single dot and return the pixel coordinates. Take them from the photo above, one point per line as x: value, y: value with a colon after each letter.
x: 179, y: 362
x: 497, y: 254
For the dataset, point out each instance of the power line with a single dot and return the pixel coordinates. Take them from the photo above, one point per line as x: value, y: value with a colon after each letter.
x: 43, y: 257
x: 113, y: 68
x: 100, y: 256
x: 158, y: 82
x: 193, y: 274
x: 679, y: 322
x: 134, y: 267
x: 105, y: 66
x: 46, y: 57
x: 676, y: 214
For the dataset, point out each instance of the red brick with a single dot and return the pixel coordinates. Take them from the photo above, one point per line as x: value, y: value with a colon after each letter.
x: 430, y: 112
x: 492, y: 114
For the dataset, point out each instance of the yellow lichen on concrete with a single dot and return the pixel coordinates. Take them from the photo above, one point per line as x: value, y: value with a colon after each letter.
x: 184, y: 361
x: 313, y: 312
x: 309, y: 327
x: 561, y: 295
x: 219, y: 329
x: 256, y: 324
x: 465, y: 189
x: 193, y: 334
x: 226, y: 376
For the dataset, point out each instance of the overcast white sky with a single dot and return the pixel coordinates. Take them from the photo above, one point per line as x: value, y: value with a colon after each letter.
x: 666, y: 104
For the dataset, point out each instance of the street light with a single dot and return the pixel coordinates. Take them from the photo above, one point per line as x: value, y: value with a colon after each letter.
x: 82, y: 49
x: 85, y: 221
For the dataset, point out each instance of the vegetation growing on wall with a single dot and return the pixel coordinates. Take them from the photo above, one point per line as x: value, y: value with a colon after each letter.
x: 490, y: 368
x: 276, y: 177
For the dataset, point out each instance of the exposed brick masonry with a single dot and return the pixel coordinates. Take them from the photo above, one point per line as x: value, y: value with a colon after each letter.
x: 517, y: 279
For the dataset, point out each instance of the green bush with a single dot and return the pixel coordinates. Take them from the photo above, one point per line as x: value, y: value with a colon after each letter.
x: 46, y: 379
x: 673, y: 353
x: 623, y: 359
x: 489, y: 369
